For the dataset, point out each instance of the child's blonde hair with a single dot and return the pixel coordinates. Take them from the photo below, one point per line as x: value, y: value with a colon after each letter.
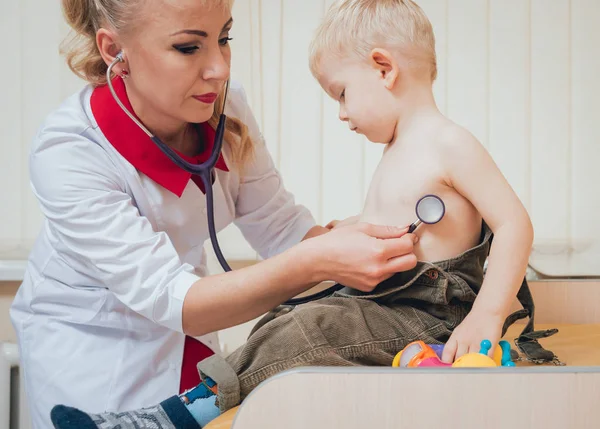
x: 359, y: 26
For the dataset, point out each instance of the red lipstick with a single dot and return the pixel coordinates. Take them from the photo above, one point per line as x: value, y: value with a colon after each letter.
x: 208, y: 98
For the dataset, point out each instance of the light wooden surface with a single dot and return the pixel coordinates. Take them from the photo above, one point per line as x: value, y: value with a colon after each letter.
x: 566, y: 301
x: 575, y: 345
x: 224, y: 421
x: 466, y: 399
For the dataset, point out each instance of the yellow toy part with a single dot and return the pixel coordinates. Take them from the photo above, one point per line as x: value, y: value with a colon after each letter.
x: 498, y: 355
x: 474, y: 360
x: 396, y: 361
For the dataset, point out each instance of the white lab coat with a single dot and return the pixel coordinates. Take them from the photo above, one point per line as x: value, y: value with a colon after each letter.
x: 98, y: 316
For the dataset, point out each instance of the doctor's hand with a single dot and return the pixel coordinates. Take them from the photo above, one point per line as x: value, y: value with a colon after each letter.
x: 340, y: 223
x: 363, y: 255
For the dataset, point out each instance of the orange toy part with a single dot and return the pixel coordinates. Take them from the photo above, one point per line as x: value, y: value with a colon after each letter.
x: 415, y: 352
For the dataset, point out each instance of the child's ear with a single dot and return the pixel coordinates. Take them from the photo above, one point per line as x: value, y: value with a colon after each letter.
x: 386, y: 65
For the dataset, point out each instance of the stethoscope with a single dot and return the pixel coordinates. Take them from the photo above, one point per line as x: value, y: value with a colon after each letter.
x: 430, y: 209
x: 204, y: 170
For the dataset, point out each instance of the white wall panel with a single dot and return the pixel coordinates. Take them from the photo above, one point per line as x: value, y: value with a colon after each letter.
x: 41, y: 91
x: 509, y: 97
x: 550, y: 122
x: 468, y: 65
x: 437, y: 11
x: 302, y: 105
x: 522, y: 75
x: 271, y: 26
x: 585, y: 117
x: 11, y: 138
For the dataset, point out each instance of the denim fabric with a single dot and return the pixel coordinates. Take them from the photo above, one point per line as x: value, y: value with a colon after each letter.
x: 352, y: 328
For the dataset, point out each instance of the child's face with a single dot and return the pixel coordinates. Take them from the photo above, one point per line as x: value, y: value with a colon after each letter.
x: 365, y: 102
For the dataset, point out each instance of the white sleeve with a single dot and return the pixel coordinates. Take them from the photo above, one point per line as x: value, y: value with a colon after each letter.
x: 98, y: 231
x: 266, y: 212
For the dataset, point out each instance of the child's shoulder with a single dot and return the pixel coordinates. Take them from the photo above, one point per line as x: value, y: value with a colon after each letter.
x: 454, y: 137
x: 458, y: 150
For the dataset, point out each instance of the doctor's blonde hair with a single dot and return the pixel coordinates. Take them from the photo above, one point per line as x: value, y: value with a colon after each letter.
x: 86, y: 17
x: 356, y: 27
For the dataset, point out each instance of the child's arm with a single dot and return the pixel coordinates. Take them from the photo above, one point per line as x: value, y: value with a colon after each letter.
x: 473, y: 173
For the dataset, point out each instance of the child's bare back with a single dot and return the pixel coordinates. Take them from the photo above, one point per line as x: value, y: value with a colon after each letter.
x: 412, y: 167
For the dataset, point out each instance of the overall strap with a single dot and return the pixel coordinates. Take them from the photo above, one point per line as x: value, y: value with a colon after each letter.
x: 527, y: 341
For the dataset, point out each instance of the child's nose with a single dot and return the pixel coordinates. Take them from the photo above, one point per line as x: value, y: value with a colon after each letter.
x: 342, y: 115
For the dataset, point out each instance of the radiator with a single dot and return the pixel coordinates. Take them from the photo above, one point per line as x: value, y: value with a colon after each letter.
x: 14, y: 413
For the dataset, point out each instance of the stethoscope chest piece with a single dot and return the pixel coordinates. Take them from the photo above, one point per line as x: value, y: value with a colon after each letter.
x: 430, y: 209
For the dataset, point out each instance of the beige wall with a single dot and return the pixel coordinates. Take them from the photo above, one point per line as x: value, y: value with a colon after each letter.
x: 7, y: 293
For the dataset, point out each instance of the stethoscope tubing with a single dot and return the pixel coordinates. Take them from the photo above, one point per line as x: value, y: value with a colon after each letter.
x: 205, y: 172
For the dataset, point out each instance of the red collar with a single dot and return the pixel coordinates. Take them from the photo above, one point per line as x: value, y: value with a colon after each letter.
x: 137, y: 148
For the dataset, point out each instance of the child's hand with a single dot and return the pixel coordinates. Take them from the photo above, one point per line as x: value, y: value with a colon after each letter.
x: 467, y: 336
x: 339, y: 223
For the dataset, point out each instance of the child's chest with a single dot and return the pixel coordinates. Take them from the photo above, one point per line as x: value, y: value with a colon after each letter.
x: 400, y: 180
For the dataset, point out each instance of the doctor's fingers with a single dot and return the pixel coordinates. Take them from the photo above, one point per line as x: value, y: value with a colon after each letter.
x: 394, y: 247
x: 332, y: 224
x: 400, y: 263
x: 381, y: 231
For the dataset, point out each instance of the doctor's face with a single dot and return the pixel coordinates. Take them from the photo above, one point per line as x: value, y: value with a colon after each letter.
x: 178, y: 58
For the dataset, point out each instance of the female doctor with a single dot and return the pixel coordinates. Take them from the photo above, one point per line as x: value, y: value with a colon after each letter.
x: 116, y: 285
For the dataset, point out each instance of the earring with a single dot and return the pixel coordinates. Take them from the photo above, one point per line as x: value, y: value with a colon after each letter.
x: 124, y: 74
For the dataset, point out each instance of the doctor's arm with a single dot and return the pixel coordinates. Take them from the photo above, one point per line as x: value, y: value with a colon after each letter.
x: 99, y: 233
x: 360, y: 256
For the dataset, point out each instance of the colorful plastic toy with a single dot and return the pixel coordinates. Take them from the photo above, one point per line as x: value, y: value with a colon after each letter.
x: 420, y: 355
